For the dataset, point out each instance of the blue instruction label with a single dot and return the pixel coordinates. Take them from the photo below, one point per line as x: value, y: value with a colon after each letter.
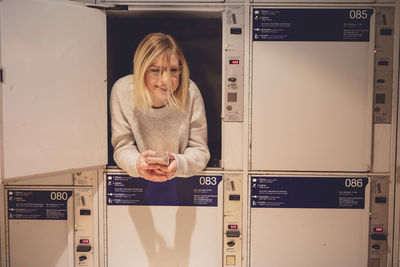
x: 38, y: 204
x: 308, y: 192
x: 194, y: 191
x: 316, y: 24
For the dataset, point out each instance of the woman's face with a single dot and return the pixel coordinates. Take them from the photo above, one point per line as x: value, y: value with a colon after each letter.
x: 156, y: 79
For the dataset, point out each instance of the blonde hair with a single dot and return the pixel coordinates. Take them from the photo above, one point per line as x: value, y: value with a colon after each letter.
x: 152, y: 46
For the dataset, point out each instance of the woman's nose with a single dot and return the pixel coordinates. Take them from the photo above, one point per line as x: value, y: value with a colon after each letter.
x: 164, y: 76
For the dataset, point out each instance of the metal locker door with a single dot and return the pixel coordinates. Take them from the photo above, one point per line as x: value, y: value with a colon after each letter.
x: 312, y: 89
x: 50, y: 226
x: 54, y: 109
x: 307, y: 221
x: 40, y: 227
x: 175, y: 223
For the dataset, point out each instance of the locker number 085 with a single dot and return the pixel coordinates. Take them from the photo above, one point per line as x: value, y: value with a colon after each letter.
x: 207, y: 180
x: 58, y: 195
x: 358, y: 14
x: 353, y: 182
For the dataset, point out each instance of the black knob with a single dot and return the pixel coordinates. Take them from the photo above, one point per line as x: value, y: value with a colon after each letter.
x: 230, y: 244
x: 376, y: 246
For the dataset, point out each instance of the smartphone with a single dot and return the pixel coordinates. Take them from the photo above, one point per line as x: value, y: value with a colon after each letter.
x: 158, y: 160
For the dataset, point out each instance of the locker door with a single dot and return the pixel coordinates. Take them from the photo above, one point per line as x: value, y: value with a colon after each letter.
x: 312, y: 89
x: 176, y: 223
x: 309, y: 221
x: 54, y: 102
x: 40, y: 227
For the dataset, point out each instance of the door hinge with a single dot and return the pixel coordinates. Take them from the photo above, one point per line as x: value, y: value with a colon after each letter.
x: 1, y: 73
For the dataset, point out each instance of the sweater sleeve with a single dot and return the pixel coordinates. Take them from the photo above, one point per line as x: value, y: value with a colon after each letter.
x: 123, y: 140
x: 196, y: 155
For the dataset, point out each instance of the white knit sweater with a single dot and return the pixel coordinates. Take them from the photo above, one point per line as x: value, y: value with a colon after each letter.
x: 161, y: 130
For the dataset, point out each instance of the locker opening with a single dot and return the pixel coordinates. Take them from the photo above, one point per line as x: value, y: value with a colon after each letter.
x: 200, y: 36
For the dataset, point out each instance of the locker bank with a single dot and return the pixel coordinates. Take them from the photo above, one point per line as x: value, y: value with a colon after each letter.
x: 301, y: 101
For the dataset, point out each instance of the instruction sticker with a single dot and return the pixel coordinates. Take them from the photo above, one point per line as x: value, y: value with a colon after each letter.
x: 318, y: 25
x: 308, y: 192
x: 38, y: 205
x: 193, y: 191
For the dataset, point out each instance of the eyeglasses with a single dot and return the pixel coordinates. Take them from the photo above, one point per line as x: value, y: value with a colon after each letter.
x: 158, y: 71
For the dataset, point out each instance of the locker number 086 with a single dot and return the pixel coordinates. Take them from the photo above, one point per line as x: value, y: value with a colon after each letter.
x: 358, y: 14
x: 207, y: 180
x: 58, y: 195
x: 353, y: 182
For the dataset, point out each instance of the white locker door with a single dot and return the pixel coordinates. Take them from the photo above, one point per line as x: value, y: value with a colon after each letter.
x: 309, y: 221
x: 312, y: 94
x: 54, y: 96
x: 176, y: 223
x: 40, y: 227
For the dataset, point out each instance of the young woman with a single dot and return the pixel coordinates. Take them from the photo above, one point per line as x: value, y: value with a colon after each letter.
x: 158, y: 112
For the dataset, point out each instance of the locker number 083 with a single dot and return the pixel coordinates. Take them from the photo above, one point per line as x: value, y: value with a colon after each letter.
x: 358, y: 14
x: 353, y: 182
x: 207, y: 180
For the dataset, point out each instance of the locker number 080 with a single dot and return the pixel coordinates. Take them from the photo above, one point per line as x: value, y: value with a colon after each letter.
x: 358, y: 14
x: 208, y: 180
x: 353, y: 183
x: 58, y: 195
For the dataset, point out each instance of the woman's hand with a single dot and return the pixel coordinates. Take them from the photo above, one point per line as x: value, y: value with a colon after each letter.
x: 151, y: 172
